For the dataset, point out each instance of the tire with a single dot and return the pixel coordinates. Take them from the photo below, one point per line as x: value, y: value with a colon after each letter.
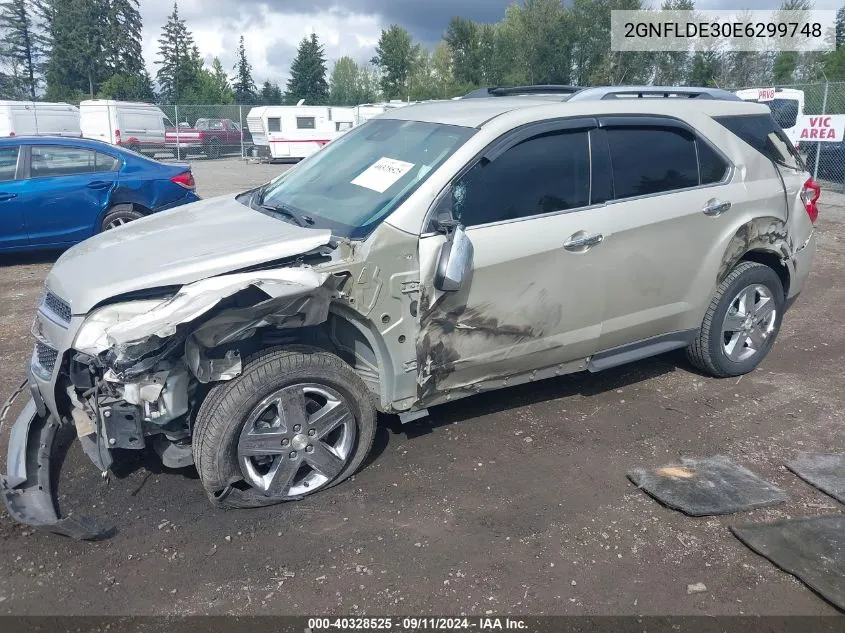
x: 213, y: 150
x: 226, y: 446
x: 722, y: 351
x: 119, y: 215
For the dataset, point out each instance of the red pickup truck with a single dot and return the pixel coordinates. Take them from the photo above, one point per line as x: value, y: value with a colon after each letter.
x: 211, y: 137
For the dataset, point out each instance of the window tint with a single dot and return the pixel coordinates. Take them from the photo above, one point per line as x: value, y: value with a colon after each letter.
x: 8, y: 163
x: 274, y: 124
x: 53, y: 160
x: 547, y: 173
x: 651, y: 160
x: 762, y: 133
x: 305, y: 123
x: 104, y: 162
x: 710, y: 164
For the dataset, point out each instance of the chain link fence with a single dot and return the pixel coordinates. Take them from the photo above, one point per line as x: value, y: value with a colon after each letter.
x: 791, y: 104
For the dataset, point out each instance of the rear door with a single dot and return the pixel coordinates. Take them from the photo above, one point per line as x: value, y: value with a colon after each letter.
x: 12, y: 185
x: 672, y: 202
x: 69, y: 191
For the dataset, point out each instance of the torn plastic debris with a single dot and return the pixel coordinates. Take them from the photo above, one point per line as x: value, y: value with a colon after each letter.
x: 35, y: 451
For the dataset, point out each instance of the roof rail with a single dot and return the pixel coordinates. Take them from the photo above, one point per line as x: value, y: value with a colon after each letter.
x: 507, y: 91
x: 651, y: 92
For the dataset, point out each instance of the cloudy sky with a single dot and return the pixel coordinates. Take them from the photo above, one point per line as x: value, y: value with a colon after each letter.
x: 273, y: 28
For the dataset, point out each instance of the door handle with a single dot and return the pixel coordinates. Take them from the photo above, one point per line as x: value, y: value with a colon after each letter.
x: 715, y: 207
x: 7, y: 196
x: 581, y: 242
x: 99, y: 184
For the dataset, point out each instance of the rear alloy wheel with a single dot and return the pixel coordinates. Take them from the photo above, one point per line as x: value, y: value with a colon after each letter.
x: 296, y: 421
x: 742, y: 322
x: 118, y: 216
x: 214, y: 149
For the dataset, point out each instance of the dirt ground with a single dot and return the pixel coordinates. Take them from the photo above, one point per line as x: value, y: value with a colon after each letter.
x: 511, y: 503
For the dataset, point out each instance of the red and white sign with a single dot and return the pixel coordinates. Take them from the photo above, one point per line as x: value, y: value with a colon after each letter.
x: 825, y: 128
x: 766, y: 94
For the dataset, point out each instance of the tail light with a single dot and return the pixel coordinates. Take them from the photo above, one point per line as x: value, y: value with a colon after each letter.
x: 185, y: 179
x: 11, y: 133
x: 117, y: 137
x: 810, y: 196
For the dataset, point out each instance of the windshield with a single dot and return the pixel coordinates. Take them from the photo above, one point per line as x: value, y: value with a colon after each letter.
x: 355, y: 181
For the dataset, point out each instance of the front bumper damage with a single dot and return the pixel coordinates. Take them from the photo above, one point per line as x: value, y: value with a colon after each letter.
x: 37, y: 447
x: 151, y: 366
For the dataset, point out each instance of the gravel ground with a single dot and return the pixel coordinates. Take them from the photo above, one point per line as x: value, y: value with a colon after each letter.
x: 516, y: 502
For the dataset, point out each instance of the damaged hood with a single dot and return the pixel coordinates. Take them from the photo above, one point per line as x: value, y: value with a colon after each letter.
x: 176, y: 247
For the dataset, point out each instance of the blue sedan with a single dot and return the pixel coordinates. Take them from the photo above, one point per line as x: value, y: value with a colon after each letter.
x: 56, y: 192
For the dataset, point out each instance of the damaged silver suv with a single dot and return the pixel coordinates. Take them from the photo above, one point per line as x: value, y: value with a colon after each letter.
x: 436, y: 252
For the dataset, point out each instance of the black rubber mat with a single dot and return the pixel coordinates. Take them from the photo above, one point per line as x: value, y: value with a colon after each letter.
x: 703, y: 487
x: 812, y: 550
x: 825, y: 471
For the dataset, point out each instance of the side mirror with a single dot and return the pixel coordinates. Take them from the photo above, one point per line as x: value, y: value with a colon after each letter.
x: 455, y: 260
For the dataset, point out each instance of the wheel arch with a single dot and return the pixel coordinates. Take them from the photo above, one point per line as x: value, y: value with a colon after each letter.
x: 764, y: 240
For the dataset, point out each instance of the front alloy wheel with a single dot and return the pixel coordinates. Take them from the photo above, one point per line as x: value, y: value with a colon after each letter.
x: 297, y: 420
x: 296, y: 441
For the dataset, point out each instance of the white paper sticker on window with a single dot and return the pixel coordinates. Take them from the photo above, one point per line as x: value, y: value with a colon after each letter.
x: 382, y: 174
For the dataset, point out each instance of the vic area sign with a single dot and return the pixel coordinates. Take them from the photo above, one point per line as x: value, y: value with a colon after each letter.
x: 825, y: 128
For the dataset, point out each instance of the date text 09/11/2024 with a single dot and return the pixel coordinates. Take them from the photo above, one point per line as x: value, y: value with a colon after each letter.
x: 417, y: 624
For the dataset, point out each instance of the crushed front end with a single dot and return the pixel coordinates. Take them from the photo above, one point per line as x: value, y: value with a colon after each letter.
x: 129, y: 375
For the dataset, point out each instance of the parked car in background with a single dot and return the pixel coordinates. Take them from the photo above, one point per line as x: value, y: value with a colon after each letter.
x: 210, y: 137
x: 140, y: 127
x: 55, y: 192
x: 23, y: 118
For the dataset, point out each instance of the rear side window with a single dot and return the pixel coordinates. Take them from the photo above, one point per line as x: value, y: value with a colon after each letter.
x: 649, y: 160
x: 274, y: 124
x: 762, y: 133
x: 104, y: 162
x: 543, y: 174
x: 55, y: 160
x: 305, y: 123
x: 8, y: 163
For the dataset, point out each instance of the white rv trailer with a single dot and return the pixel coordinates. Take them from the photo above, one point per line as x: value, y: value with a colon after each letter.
x: 26, y: 118
x: 296, y: 131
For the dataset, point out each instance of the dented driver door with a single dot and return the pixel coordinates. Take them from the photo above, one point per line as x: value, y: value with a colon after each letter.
x: 535, y: 296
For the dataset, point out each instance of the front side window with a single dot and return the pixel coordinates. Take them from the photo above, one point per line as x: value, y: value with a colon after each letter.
x: 544, y: 174
x: 274, y: 124
x: 306, y: 123
x: 354, y: 182
x: 8, y: 163
x: 54, y: 160
x: 649, y: 160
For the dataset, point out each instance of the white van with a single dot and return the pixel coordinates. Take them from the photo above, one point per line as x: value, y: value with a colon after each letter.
x: 137, y: 126
x: 27, y: 118
x: 786, y: 104
x: 297, y: 131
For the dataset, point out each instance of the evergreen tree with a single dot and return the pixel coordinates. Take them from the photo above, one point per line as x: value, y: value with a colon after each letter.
x: 220, y: 83
x: 395, y: 56
x: 308, y: 74
x: 78, y: 34
x: 123, y: 52
x: 179, y: 59
x: 242, y: 83
x: 23, y: 47
x: 271, y: 94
